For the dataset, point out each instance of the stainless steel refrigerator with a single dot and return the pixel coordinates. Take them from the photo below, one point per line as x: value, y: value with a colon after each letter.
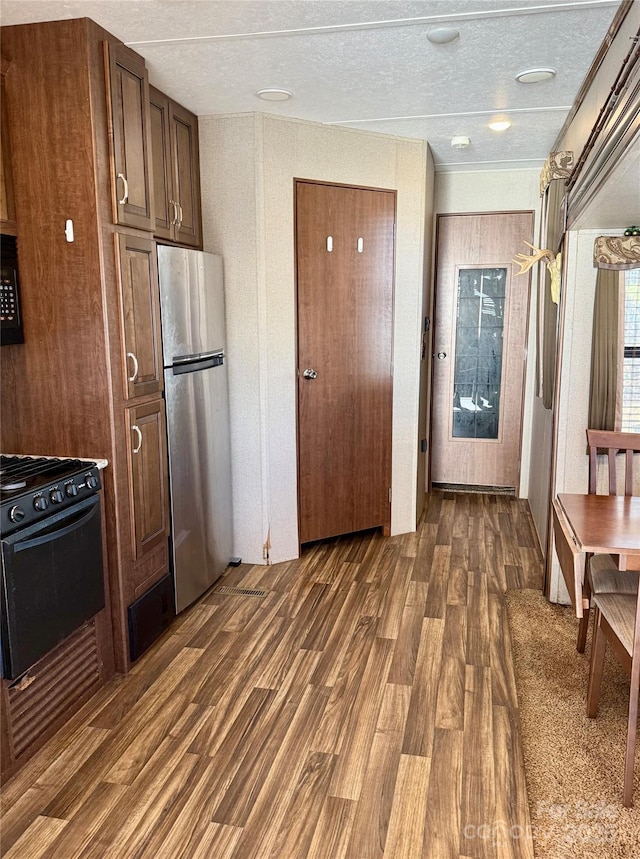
x: 196, y: 393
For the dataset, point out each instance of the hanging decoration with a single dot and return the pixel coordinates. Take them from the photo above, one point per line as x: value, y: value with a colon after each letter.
x: 552, y: 261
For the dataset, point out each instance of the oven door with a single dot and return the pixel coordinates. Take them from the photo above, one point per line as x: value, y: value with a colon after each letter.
x: 52, y: 582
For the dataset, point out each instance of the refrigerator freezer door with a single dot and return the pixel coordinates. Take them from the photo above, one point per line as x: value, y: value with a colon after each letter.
x: 199, y: 465
x: 191, y: 302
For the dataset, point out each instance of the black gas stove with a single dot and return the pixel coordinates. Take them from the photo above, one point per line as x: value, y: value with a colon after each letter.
x: 34, y: 487
x: 51, y: 541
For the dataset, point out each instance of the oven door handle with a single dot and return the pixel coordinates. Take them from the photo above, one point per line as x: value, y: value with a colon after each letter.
x: 76, y: 523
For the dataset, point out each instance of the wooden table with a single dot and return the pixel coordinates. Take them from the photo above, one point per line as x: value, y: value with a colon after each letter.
x: 608, y: 524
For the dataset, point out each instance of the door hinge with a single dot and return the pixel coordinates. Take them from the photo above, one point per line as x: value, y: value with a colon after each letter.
x: 389, y: 495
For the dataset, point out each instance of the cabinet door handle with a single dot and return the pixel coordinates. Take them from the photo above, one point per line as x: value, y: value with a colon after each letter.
x: 134, y: 375
x: 174, y: 218
x: 180, y: 215
x: 125, y: 184
x: 136, y: 429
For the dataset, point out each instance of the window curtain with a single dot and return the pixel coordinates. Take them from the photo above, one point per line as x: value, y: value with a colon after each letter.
x: 617, y: 253
x: 553, y: 240
x: 611, y: 255
x: 605, y: 351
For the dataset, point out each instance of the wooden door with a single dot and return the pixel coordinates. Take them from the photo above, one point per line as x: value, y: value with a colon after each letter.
x: 345, y: 268
x: 147, y: 450
x: 142, y: 358
x: 479, y: 343
x: 129, y: 112
x: 186, y: 175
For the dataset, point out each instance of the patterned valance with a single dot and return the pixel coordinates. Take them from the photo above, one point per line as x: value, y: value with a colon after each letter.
x: 557, y: 166
x: 619, y: 253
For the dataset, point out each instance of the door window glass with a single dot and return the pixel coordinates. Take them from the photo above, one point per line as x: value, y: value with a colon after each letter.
x: 481, y: 296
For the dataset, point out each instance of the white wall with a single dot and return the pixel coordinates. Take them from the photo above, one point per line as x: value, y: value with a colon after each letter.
x: 248, y: 164
x: 494, y: 191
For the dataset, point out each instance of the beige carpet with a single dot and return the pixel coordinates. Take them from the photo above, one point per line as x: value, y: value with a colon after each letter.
x: 573, y: 764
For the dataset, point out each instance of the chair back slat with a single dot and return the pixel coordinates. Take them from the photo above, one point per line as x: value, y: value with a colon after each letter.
x: 613, y: 443
x: 593, y: 467
x: 628, y: 472
x: 613, y: 477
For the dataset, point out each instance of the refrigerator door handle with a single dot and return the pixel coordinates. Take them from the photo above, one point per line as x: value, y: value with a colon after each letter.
x: 201, y: 356
x: 198, y: 364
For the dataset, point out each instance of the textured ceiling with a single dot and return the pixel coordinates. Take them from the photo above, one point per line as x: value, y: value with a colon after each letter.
x: 367, y: 65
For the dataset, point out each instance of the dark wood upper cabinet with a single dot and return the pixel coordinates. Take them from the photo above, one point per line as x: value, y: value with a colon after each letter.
x: 176, y: 171
x: 162, y: 169
x: 138, y: 273
x: 130, y: 137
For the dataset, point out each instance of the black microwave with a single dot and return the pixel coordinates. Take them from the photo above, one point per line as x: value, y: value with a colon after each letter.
x: 10, y: 316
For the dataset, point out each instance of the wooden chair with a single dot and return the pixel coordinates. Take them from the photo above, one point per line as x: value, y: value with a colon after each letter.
x: 602, y: 572
x: 617, y: 621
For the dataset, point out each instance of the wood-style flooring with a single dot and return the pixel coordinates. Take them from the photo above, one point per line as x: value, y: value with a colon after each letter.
x: 365, y: 708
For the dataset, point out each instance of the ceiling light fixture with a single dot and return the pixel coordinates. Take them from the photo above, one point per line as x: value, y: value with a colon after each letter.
x: 273, y: 94
x: 500, y: 125
x: 443, y: 35
x: 460, y: 142
x: 535, y: 76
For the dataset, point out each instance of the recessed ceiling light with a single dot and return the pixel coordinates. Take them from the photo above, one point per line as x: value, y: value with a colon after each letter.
x: 500, y: 125
x: 272, y: 94
x: 535, y: 76
x: 460, y: 142
x: 443, y: 35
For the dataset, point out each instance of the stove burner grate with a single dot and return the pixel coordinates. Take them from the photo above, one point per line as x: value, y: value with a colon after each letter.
x: 11, y: 485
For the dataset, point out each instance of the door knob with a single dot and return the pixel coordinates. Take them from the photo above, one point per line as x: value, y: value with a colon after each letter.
x: 442, y: 356
x: 309, y: 373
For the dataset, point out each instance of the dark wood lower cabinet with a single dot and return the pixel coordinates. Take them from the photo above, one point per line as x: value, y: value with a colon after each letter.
x: 140, y: 300
x: 148, y: 458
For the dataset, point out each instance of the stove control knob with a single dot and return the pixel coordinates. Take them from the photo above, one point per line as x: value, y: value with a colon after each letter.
x: 92, y: 481
x: 16, y: 514
x: 56, y: 496
x: 40, y: 502
x: 71, y: 490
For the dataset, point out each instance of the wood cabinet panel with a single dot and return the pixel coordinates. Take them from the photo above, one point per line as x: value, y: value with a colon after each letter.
x: 130, y: 138
x: 148, y: 487
x: 186, y: 175
x: 176, y: 171
x: 161, y: 160
x: 7, y: 203
x: 140, y: 315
